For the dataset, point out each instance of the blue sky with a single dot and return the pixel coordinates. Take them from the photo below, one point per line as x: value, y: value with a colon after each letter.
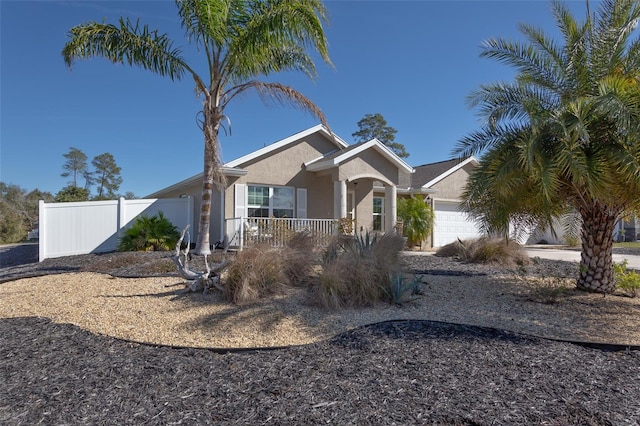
x: 414, y: 62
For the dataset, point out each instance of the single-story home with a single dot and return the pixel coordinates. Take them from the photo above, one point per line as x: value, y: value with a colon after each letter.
x: 315, y: 178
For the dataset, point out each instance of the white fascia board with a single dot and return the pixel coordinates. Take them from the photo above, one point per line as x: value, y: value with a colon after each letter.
x: 183, y: 183
x: 227, y: 171
x: 373, y: 143
x: 293, y: 138
x: 452, y: 170
x: 408, y: 190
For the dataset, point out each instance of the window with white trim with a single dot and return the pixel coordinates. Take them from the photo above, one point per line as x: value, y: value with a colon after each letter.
x: 270, y: 201
x: 378, y: 214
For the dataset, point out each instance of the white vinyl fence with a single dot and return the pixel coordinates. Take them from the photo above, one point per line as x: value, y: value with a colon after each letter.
x: 96, y: 226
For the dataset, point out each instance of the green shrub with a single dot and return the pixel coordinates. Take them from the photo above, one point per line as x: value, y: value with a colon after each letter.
x: 627, y: 280
x: 417, y: 219
x: 154, y: 233
x: 572, y: 240
x: 356, y: 270
x: 485, y: 250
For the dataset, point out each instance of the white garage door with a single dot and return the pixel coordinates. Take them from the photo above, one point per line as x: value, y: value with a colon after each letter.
x: 451, y: 224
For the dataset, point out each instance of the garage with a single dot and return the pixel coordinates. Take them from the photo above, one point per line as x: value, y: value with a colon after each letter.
x: 451, y: 224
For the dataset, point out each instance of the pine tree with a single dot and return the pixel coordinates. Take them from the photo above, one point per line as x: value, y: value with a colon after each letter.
x: 106, y: 176
x: 375, y: 126
x: 76, y: 165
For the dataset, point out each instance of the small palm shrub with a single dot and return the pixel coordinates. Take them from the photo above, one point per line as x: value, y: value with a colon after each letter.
x: 626, y: 280
x: 417, y: 219
x: 356, y: 270
x: 154, y: 233
x: 485, y: 250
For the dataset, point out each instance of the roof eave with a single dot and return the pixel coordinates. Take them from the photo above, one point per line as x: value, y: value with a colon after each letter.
x: 452, y: 170
x: 227, y: 171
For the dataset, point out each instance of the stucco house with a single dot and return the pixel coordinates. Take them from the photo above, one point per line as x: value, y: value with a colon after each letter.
x: 312, y: 178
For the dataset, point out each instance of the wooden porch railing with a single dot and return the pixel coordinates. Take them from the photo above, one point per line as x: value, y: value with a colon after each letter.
x: 246, y: 231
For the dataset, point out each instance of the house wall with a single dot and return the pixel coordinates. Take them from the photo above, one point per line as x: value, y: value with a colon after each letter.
x: 369, y: 163
x: 364, y: 203
x: 286, y: 168
x: 320, y: 197
x: 452, y: 186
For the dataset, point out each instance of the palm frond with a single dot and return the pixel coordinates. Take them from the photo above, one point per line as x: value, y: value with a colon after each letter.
x: 127, y: 43
x: 281, y: 94
x: 263, y: 45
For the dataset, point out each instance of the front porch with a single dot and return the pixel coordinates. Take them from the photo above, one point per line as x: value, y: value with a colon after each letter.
x: 275, y: 232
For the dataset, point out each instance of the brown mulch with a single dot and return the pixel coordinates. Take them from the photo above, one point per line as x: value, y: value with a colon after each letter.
x: 404, y: 372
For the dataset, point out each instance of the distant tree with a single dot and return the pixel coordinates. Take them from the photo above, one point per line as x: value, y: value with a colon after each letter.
x: 12, y: 213
x: 72, y: 193
x: 129, y: 195
x: 76, y: 165
x: 32, y: 206
x: 375, y: 126
x: 19, y: 211
x: 106, y: 176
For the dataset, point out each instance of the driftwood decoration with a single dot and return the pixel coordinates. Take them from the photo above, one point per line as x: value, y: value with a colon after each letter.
x: 197, y: 281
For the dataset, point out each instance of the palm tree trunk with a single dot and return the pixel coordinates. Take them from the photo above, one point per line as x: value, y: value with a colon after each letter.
x: 596, y: 262
x: 212, y: 174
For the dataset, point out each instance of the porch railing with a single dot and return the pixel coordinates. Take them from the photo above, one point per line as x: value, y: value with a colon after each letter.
x: 246, y: 231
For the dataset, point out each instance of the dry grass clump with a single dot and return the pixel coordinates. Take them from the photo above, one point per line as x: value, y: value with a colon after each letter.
x: 356, y: 271
x: 261, y: 271
x: 255, y: 273
x: 485, y: 250
x: 300, y: 257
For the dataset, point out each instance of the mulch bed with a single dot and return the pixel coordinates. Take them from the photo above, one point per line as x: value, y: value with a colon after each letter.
x: 404, y: 372
x: 415, y: 372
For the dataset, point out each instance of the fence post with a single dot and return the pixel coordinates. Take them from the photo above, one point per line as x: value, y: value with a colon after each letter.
x: 121, y: 213
x: 42, y: 234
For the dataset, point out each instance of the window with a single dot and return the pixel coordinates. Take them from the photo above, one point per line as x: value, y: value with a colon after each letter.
x: 266, y: 201
x: 378, y: 214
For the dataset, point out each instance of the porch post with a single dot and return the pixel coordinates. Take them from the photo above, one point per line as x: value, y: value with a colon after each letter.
x: 339, y: 199
x: 390, y: 208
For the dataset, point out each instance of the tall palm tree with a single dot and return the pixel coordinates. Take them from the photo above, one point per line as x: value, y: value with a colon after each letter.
x: 564, y: 136
x: 241, y: 39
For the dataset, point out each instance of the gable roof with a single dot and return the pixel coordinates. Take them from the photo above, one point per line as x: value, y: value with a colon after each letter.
x: 231, y: 168
x: 340, y: 144
x: 428, y: 175
x: 334, y: 158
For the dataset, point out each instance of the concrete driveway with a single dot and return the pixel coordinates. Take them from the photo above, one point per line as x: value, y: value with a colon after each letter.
x: 633, y: 261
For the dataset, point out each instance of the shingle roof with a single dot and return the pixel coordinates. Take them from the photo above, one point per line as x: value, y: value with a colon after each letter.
x: 427, y: 172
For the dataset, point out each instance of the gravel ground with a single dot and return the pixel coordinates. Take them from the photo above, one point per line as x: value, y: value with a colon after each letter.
x: 395, y: 372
